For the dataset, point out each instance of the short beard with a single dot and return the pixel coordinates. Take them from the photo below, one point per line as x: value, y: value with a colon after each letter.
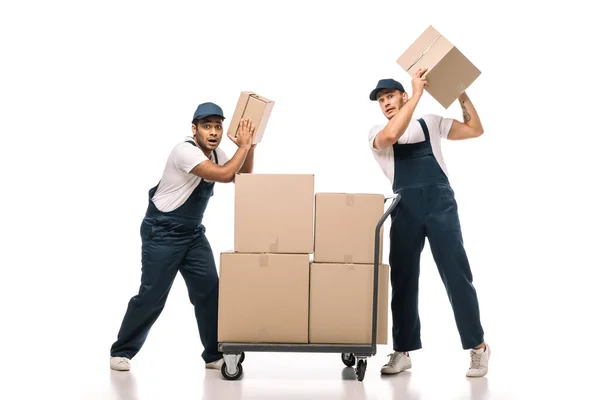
x: 200, y: 144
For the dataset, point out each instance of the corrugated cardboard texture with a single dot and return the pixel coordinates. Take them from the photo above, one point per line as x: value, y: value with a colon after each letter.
x: 345, y: 227
x: 263, y: 298
x: 449, y: 73
x: 341, y: 303
x: 257, y: 108
x: 274, y: 213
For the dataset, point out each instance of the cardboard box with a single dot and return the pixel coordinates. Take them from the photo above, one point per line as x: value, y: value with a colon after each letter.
x: 263, y: 298
x: 345, y: 227
x: 274, y: 213
x: 341, y: 303
x: 449, y: 73
x: 257, y: 108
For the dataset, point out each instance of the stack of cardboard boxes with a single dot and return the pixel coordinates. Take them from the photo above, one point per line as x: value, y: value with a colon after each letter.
x: 270, y: 290
x: 341, y: 275
x: 264, y: 282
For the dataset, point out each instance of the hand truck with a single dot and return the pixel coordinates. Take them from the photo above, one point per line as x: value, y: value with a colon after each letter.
x: 234, y: 353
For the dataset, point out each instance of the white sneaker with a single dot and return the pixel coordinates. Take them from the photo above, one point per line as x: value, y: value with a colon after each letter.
x: 479, y: 362
x: 119, y: 363
x: 215, y: 364
x: 398, y: 362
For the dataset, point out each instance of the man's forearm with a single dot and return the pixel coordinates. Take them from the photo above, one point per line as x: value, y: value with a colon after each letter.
x: 399, y: 122
x: 236, y: 163
x: 470, y: 116
x: 248, y: 166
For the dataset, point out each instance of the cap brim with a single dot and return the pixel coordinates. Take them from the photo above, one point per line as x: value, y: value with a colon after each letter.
x: 208, y: 115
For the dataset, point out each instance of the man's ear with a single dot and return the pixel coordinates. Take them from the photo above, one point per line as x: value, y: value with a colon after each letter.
x: 405, y: 96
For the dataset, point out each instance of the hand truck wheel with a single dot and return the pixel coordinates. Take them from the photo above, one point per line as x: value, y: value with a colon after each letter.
x: 348, y: 359
x: 233, y: 377
x: 361, y: 369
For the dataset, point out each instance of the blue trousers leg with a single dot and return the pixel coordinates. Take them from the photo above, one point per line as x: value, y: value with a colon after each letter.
x: 407, y: 239
x: 162, y: 256
x: 200, y: 274
x: 443, y: 231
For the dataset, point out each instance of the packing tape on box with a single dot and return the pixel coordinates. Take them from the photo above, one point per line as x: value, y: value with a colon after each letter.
x: 347, y: 259
x: 274, y: 247
x: 244, y: 112
x: 349, y: 199
x: 422, y: 54
x: 263, y: 260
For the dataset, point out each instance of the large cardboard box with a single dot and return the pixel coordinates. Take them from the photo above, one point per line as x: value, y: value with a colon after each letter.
x: 449, y: 73
x: 257, y: 108
x: 263, y: 298
x: 345, y: 227
x: 341, y: 303
x: 274, y: 213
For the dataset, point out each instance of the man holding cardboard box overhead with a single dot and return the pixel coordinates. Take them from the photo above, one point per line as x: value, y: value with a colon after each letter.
x: 409, y: 153
x: 173, y: 237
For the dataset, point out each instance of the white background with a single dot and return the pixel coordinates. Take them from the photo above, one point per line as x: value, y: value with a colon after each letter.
x: 93, y: 96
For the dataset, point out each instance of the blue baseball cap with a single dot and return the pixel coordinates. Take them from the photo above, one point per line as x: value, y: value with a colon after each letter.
x: 385, y: 84
x: 206, y: 109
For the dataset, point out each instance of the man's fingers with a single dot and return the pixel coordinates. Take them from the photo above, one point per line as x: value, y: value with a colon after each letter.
x: 420, y: 72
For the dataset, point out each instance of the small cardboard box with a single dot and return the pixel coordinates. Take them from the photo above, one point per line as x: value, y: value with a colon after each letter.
x: 257, y: 108
x: 345, y: 227
x: 341, y: 303
x: 274, y: 213
x: 263, y: 298
x: 449, y: 72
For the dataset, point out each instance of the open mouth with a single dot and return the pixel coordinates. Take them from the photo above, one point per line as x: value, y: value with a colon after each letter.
x: 389, y: 109
x: 212, y: 140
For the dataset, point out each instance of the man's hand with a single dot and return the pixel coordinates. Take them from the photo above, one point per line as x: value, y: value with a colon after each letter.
x: 245, y: 134
x: 418, y: 82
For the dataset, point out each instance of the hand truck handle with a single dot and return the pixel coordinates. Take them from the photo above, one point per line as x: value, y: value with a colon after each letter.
x: 376, y: 267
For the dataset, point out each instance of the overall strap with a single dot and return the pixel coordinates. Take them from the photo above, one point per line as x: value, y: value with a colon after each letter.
x: 425, y: 130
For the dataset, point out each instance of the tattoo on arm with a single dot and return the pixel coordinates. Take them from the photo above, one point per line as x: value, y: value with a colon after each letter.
x: 466, y: 115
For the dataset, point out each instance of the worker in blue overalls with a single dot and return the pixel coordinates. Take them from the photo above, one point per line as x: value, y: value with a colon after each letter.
x: 409, y: 153
x: 173, y: 236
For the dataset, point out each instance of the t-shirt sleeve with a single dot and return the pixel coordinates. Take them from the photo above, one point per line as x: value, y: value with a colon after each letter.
x: 222, y: 155
x: 441, y: 125
x: 186, y: 157
x: 372, y: 134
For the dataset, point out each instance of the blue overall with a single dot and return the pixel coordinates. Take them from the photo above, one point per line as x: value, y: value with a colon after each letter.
x: 427, y: 209
x: 171, y: 242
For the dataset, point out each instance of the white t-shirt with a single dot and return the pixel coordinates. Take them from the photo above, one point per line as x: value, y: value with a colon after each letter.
x: 438, y: 128
x: 177, y: 182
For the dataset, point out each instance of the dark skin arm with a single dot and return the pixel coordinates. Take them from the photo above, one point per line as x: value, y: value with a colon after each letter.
x: 222, y: 173
x: 248, y: 166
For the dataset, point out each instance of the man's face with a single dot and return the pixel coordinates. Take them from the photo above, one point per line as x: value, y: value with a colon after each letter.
x: 390, y: 101
x: 208, y: 132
